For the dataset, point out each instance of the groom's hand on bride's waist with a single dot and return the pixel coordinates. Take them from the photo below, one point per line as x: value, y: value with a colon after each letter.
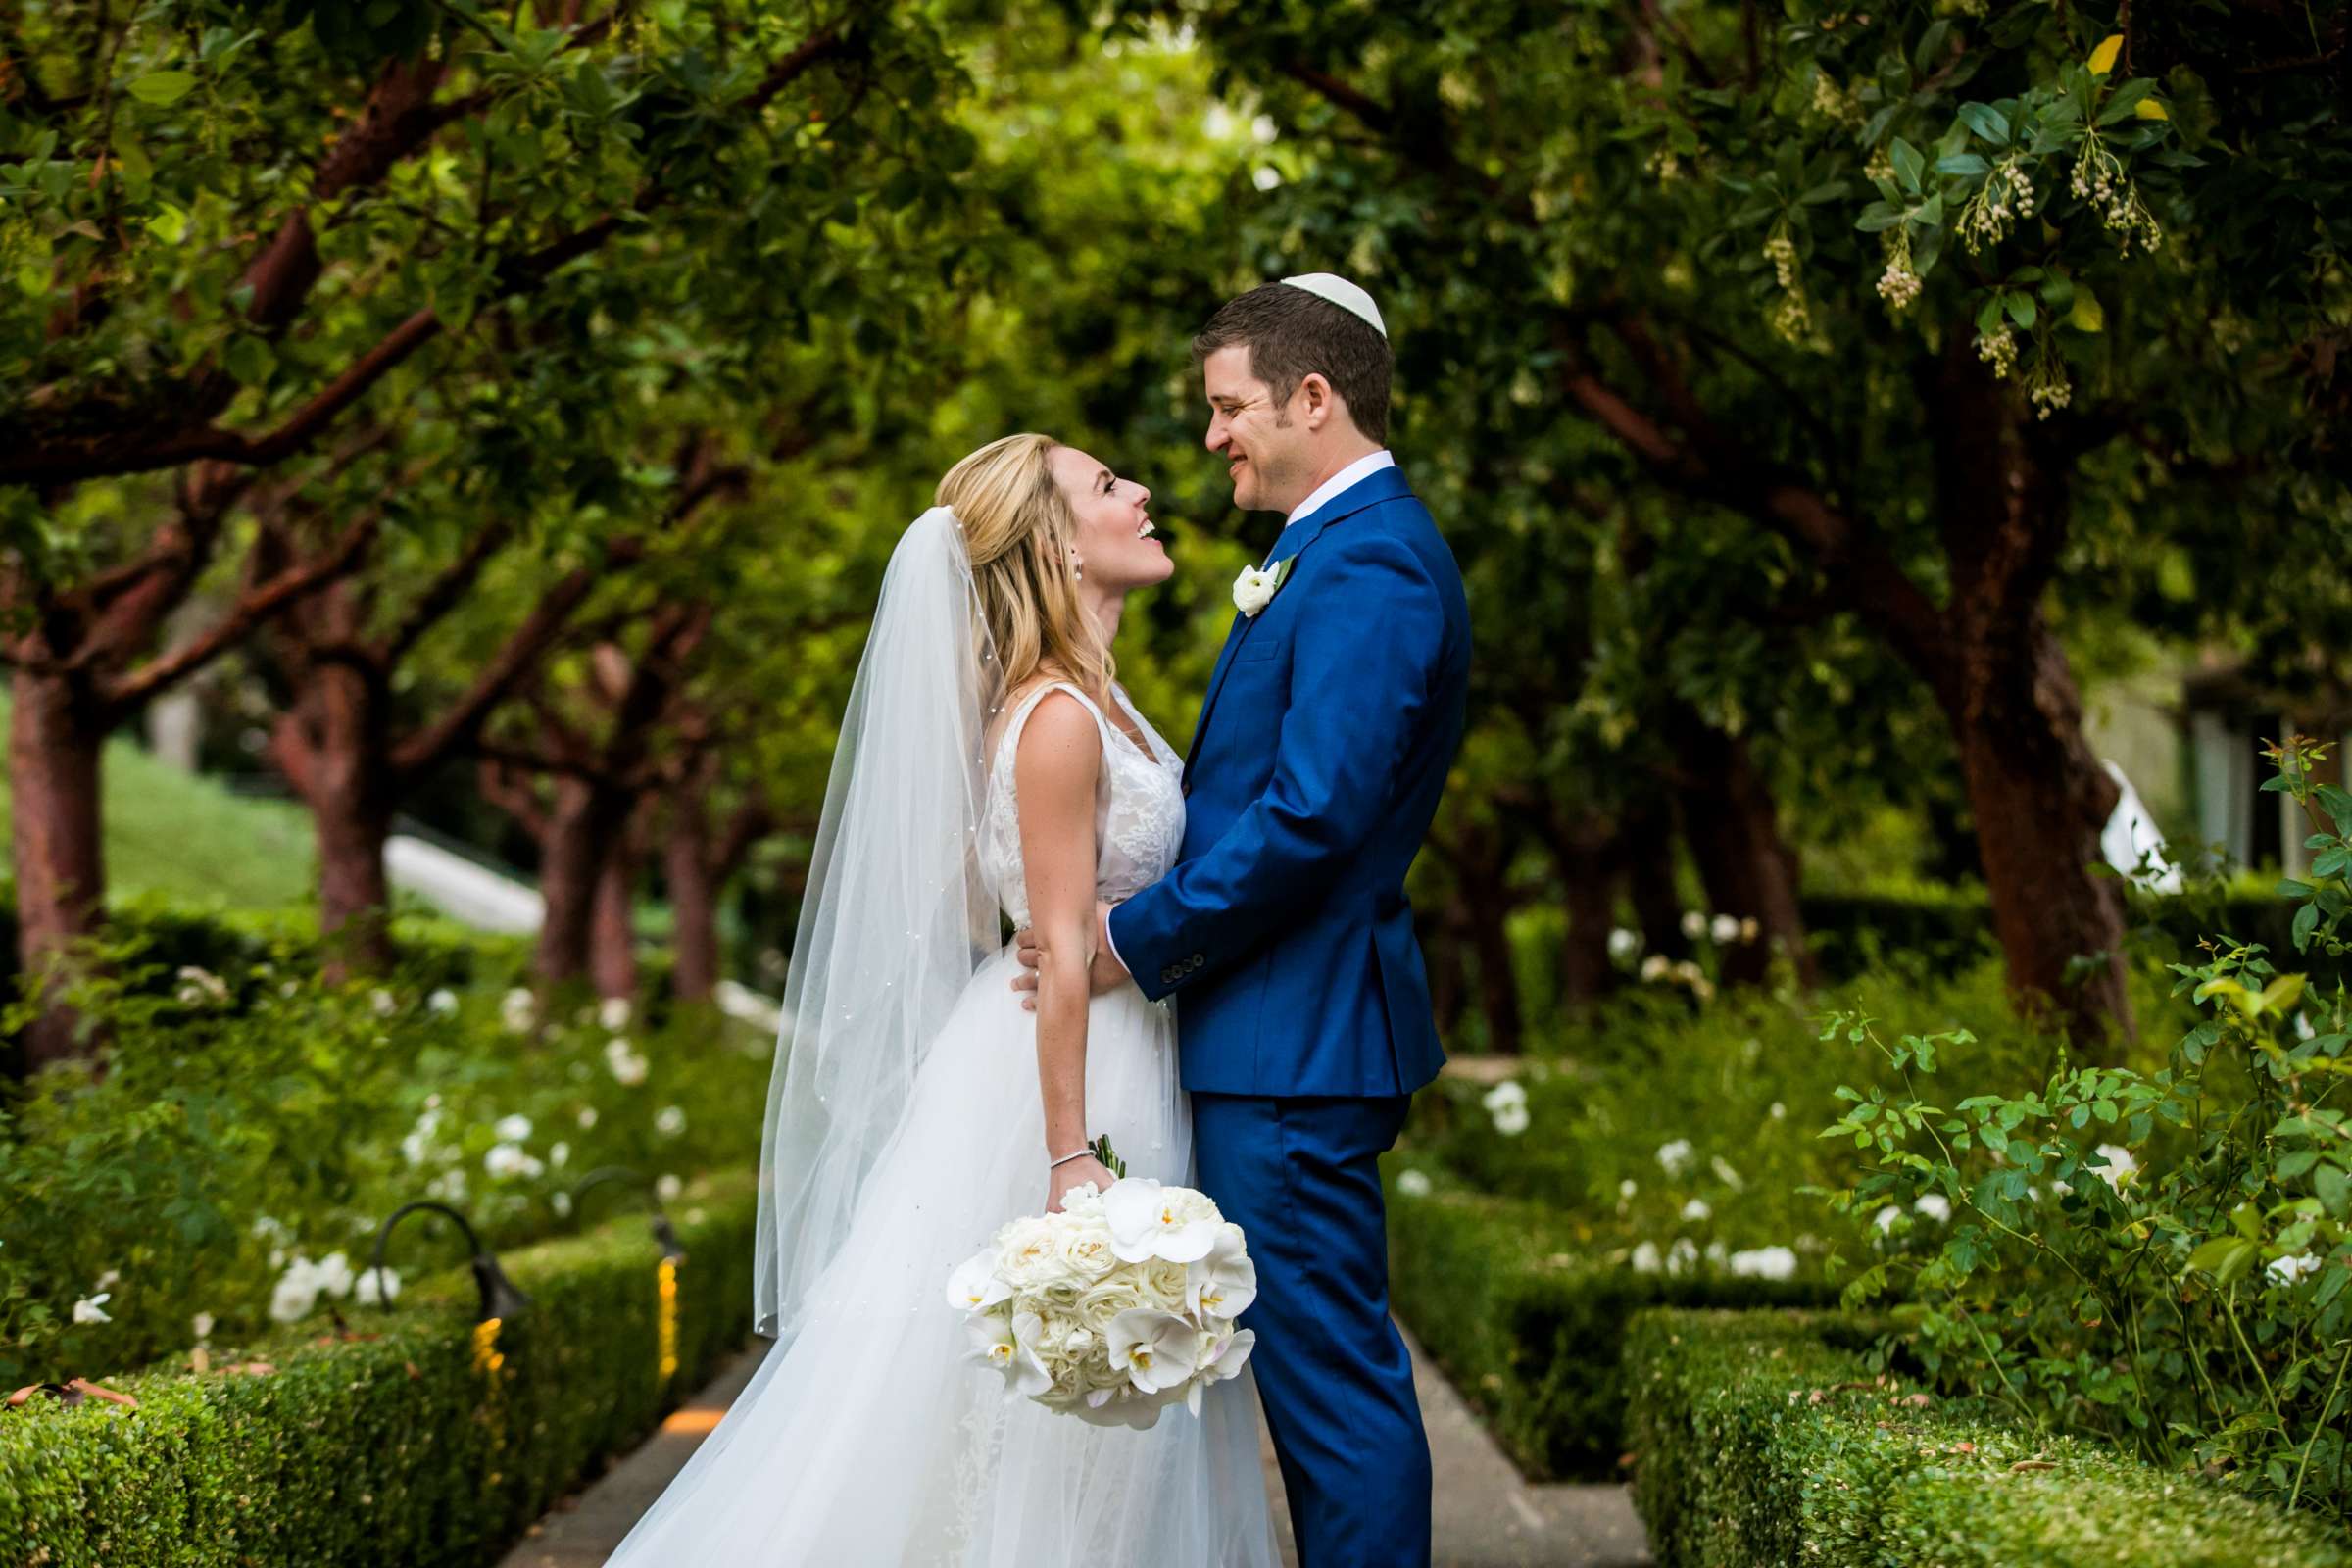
x: 1104, y: 973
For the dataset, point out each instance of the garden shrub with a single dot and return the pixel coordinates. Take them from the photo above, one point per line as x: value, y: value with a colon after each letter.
x: 239, y: 1122
x: 415, y: 1442
x: 1766, y: 1439
x: 1528, y: 1317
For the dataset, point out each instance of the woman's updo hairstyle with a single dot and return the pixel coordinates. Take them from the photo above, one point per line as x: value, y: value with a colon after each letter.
x: 1021, y: 536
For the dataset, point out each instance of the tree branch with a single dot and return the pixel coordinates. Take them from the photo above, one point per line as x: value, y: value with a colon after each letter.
x: 447, y: 590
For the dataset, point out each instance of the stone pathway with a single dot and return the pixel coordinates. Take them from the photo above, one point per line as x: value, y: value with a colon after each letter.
x: 1484, y: 1515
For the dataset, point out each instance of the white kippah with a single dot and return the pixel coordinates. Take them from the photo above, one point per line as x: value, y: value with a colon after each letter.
x: 1345, y: 295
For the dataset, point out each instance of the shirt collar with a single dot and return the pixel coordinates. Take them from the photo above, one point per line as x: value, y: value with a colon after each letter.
x: 1362, y: 468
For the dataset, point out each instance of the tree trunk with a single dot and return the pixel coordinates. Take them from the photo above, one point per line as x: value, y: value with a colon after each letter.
x: 1647, y: 840
x: 612, y: 924
x: 1482, y: 855
x: 2040, y: 798
x: 335, y: 745
x: 1748, y: 869
x: 1589, y: 883
x: 568, y: 877
x: 693, y: 897
x: 57, y: 734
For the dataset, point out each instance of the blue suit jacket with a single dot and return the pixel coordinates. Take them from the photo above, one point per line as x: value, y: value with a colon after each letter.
x: 1323, y: 746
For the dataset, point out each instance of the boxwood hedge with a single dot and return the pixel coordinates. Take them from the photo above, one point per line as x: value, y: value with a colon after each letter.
x: 1761, y: 1439
x: 416, y: 1441
x: 1509, y: 1297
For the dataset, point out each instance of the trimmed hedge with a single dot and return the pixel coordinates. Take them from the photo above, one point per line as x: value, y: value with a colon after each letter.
x: 1761, y: 1438
x: 1508, y: 1297
x: 399, y: 1448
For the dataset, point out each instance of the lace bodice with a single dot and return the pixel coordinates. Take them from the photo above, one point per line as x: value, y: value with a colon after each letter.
x: 1139, y: 810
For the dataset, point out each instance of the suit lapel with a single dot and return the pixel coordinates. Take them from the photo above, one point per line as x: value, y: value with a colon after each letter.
x: 1386, y: 484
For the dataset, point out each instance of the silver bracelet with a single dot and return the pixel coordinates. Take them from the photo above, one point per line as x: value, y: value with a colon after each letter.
x: 1066, y: 1159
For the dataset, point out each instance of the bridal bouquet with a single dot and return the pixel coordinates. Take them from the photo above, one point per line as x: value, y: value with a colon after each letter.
x: 1116, y: 1308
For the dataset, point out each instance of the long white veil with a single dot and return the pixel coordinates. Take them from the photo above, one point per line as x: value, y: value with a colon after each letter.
x: 895, y: 918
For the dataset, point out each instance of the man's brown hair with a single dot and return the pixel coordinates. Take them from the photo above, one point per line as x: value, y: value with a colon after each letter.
x: 1291, y: 334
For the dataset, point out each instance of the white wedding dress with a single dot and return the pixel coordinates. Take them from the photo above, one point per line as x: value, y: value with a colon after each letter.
x: 871, y: 1439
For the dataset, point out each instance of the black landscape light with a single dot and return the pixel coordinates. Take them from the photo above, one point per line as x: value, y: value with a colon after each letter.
x: 501, y: 1300
x: 673, y: 1250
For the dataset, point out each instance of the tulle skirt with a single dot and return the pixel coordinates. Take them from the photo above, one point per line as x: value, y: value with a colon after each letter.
x: 871, y: 1439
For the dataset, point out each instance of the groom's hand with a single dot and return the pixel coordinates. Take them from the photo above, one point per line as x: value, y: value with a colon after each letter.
x: 1104, y: 973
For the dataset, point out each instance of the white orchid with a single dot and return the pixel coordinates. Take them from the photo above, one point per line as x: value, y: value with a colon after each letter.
x: 1029, y: 1376
x: 975, y: 1285
x: 1224, y: 1282
x: 1223, y: 1358
x: 92, y: 1309
x: 1147, y: 1221
x: 1155, y: 1350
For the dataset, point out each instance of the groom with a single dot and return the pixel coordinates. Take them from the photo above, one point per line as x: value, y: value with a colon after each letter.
x: 1331, y: 719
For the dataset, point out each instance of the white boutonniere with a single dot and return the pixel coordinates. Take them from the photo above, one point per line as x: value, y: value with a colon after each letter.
x: 1255, y: 589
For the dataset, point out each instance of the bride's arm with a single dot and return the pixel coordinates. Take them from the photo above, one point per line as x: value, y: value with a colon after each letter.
x: 1056, y: 768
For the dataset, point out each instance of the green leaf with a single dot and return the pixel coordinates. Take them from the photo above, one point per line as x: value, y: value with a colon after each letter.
x: 249, y: 359
x: 2228, y: 1258
x: 2289, y: 888
x: 1987, y: 122
x: 2294, y: 1163
x: 2337, y: 803
x: 1988, y: 315
x: 2331, y: 862
x: 2307, y: 920
x: 1908, y: 163
x: 2020, y: 307
x: 2331, y: 1184
x: 159, y: 87
x: 1966, y: 164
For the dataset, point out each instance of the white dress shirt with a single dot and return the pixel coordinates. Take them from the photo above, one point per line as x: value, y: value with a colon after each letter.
x: 1362, y: 468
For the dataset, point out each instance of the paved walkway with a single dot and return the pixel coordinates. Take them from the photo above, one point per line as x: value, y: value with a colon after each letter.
x: 1486, y: 1516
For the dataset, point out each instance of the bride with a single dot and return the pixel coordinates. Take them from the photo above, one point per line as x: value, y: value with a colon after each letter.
x: 989, y: 769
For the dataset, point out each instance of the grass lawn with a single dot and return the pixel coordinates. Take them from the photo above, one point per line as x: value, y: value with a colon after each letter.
x: 187, y: 837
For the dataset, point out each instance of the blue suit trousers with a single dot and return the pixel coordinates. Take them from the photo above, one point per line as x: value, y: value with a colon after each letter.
x: 1301, y: 1176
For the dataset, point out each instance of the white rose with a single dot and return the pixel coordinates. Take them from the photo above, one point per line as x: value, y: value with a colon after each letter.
x: 1252, y: 590
x: 333, y: 1275
x: 1765, y: 1263
x: 1084, y: 1251
x: 1026, y: 1255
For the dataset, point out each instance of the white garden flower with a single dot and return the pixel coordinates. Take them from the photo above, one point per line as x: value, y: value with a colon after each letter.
x: 1682, y: 1255
x: 1750, y: 929
x: 1765, y: 1263
x: 377, y: 1287
x: 1935, y: 1206
x: 1725, y: 1174
x: 1511, y: 1120
x: 1675, y: 1157
x: 513, y: 1129
x: 668, y: 1188
x: 1724, y: 928
x: 1776, y: 1110
x: 559, y: 1154
x: 1696, y: 1210
x: 296, y: 1293
x: 1626, y: 1191
x: 560, y: 1201
x: 669, y: 1120
x: 519, y: 1009
x: 1509, y: 1092
x: 1155, y: 1350
x: 975, y: 1285
x: 587, y: 1117
x: 1415, y: 1182
x: 92, y: 1309
x: 1254, y: 590
x: 510, y: 1159
x: 1694, y: 924
x: 1718, y: 1253
x: 201, y: 987
x: 1148, y: 1221
x: 1223, y: 1283
x: 1646, y: 1258
x: 627, y: 1066
x: 442, y: 1003
x: 2120, y: 1164
x: 383, y: 1001
x: 1624, y: 943
x: 1885, y: 1220
x: 332, y: 1274
x: 2287, y: 1270
x: 614, y: 1014
x: 1655, y: 966
x: 202, y: 1323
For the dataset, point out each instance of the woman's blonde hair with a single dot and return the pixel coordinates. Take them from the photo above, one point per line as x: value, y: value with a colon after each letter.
x: 1021, y: 534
